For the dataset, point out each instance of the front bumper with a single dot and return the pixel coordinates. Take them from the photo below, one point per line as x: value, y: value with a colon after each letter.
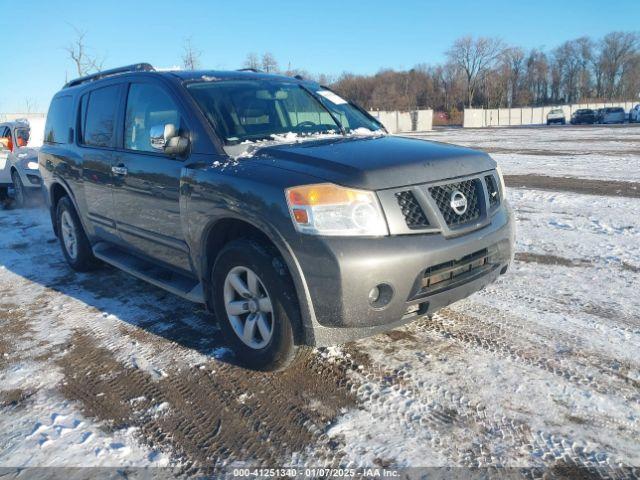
x: 30, y: 178
x: 340, y: 273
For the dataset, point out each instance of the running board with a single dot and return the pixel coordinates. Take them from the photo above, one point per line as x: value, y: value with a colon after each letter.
x: 164, y: 278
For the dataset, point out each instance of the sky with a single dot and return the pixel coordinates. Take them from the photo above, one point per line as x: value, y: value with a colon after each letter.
x: 321, y: 37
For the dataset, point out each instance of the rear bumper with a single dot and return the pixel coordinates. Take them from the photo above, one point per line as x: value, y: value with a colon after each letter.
x: 340, y: 273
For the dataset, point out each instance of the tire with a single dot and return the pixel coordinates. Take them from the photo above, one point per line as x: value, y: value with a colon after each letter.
x: 270, y: 340
x: 21, y: 197
x: 70, y: 230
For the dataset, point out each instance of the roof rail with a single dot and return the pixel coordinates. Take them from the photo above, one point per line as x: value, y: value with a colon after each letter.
x: 137, y: 67
x: 254, y: 70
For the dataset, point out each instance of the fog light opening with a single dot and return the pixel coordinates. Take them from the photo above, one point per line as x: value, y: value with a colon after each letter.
x: 380, y: 295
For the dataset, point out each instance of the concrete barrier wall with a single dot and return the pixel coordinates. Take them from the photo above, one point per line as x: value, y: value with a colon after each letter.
x: 402, y: 122
x: 424, y: 121
x: 8, y: 117
x: 504, y: 117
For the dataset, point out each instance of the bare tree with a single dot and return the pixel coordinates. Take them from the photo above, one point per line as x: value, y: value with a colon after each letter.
x: 78, y: 51
x: 30, y: 105
x: 512, y: 65
x: 269, y: 63
x: 252, y: 61
x: 474, y: 57
x: 190, y: 56
x: 617, y: 51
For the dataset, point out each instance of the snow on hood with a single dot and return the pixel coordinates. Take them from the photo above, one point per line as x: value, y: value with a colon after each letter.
x: 248, y: 148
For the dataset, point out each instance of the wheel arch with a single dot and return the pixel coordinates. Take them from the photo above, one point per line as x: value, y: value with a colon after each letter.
x: 56, y: 191
x: 222, y: 231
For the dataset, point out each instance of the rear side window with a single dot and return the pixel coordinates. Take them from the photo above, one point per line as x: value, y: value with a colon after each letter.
x: 100, y: 116
x: 59, y: 120
x: 148, y: 106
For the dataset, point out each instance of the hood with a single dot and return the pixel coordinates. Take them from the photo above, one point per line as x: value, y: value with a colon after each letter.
x: 375, y: 163
x: 25, y: 155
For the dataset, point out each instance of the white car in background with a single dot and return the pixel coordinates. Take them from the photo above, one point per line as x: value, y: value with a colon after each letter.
x: 634, y: 114
x: 20, y: 141
x: 556, y: 115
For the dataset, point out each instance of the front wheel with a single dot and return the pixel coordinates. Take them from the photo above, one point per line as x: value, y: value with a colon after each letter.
x: 19, y: 190
x: 256, y: 307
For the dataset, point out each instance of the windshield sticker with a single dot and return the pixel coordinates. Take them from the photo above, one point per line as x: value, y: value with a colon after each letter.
x: 332, y: 97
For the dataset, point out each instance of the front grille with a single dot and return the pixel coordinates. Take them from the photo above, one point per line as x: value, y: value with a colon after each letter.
x: 492, y: 190
x: 471, y: 189
x: 413, y: 213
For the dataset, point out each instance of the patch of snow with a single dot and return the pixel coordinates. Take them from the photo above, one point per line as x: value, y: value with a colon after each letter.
x: 598, y: 152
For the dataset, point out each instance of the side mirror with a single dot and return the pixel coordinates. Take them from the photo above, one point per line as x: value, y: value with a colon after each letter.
x: 165, y: 138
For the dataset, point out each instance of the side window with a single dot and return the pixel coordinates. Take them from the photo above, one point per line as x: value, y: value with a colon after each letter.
x: 59, y: 120
x: 100, y: 117
x: 148, y: 106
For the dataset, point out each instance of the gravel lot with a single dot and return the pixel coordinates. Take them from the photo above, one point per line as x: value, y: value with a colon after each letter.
x: 539, y: 370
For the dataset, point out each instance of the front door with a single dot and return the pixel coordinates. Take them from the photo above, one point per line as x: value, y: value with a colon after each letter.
x: 147, y: 181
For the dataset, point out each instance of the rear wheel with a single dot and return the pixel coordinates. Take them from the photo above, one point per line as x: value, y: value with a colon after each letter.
x: 19, y: 190
x: 73, y: 241
x: 255, y: 304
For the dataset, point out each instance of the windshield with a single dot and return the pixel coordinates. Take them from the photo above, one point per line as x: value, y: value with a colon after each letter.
x: 349, y: 116
x: 250, y: 110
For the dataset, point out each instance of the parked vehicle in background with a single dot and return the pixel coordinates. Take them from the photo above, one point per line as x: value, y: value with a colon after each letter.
x: 599, y: 114
x: 282, y: 207
x: 22, y: 158
x: 583, y: 116
x: 634, y: 114
x: 613, y: 115
x: 556, y: 116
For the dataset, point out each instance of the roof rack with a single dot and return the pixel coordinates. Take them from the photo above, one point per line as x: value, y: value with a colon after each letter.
x: 137, y: 67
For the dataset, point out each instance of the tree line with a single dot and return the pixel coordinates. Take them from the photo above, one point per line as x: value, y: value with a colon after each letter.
x: 484, y: 72
x: 478, y: 72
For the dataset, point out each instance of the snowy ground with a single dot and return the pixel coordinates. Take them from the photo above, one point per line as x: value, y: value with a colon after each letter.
x: 599, y: 152
x: 539, y: 370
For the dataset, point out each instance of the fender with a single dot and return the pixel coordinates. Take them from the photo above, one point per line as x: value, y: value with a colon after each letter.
x: 304, y: 297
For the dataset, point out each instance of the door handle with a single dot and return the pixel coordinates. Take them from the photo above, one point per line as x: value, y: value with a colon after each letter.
x: 119, y: 170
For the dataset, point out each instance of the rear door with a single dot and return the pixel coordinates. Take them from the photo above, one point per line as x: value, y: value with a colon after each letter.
x: 99, y: 111
x: 147, y: 182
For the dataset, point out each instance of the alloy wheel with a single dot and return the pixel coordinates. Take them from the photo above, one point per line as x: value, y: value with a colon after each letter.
x: 248, y: 306
x: 69, y: 238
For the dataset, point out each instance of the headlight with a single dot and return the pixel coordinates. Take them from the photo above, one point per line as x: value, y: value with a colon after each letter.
x: 503, y: 190
x: 327, y: 209
x: 32, y: 165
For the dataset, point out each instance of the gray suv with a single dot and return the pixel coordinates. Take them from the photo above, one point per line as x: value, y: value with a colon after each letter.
x: 285, y: 209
